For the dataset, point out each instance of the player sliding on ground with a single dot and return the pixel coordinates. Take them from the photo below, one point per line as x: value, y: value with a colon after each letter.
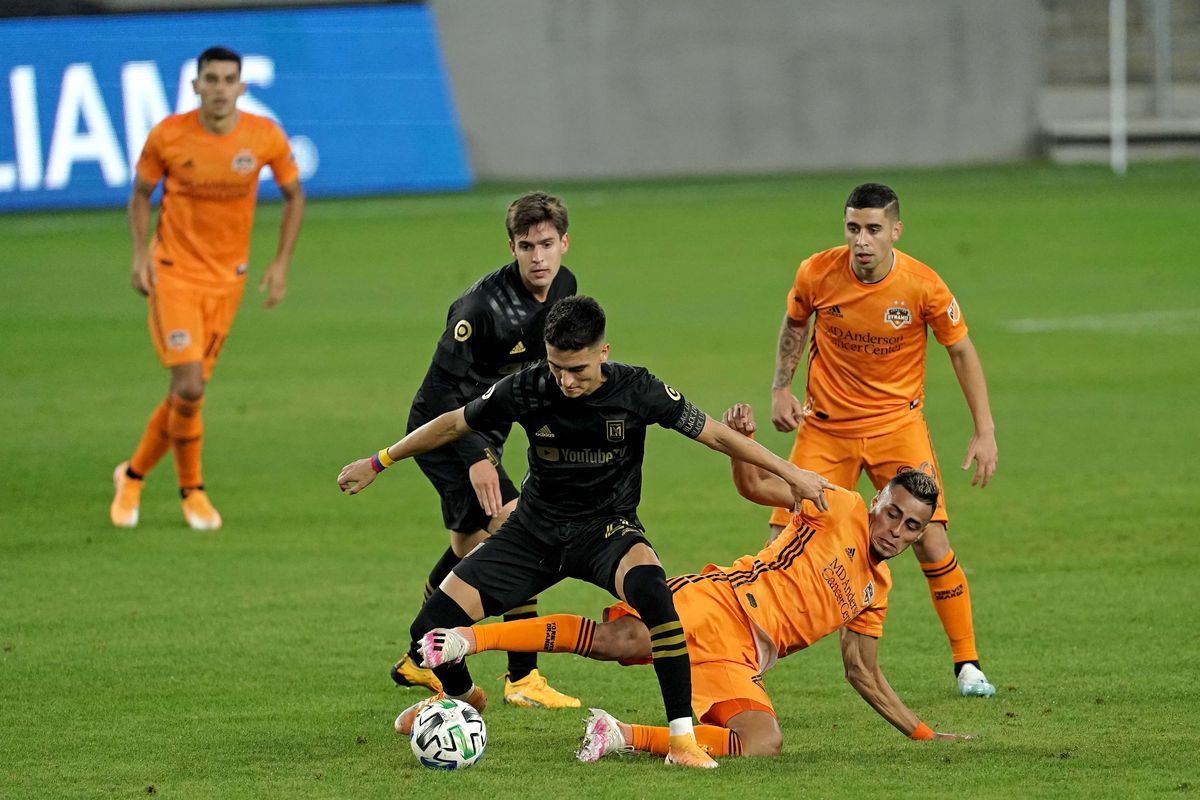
x: 586, y: 420
x: 823, y: 573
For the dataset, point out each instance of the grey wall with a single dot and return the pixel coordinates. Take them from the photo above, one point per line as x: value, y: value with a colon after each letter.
x: 608, y: 88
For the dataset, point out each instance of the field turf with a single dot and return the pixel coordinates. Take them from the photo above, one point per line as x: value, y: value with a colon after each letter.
x: 253, y: 662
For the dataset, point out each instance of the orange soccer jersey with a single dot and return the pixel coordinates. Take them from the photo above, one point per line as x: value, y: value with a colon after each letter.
x: 209, y: 192
x: 866, y: 363
x: 815, y: 577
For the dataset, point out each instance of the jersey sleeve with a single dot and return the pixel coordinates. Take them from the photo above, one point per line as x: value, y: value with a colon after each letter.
x: 281, y: 159
x: 151, y: 164
x: 943, y: 314
x: 870, y: 621
x: 799, y: 302
x: 496, y: 407
x: 665, y: 406
x: 468, y: 328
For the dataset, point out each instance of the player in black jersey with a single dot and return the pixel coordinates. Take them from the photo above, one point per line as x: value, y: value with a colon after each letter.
x: 586, y: 420
x: 494, y: 329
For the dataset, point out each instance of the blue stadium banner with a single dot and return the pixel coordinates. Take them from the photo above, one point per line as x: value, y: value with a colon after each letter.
x: 362, y: 92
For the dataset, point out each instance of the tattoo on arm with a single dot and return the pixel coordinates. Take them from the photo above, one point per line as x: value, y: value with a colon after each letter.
x: 789, y: 352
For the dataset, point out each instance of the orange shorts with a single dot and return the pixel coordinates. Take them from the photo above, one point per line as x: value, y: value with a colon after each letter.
x: 726, y: 678
x: 841, y: 460
x: 190, y: 323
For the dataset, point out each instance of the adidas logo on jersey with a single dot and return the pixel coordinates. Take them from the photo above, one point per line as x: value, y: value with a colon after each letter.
x: 544, y: 432
x: 834, y: 311
x: 519, y: 348
x: 850, y: 551
x: 188, y: 164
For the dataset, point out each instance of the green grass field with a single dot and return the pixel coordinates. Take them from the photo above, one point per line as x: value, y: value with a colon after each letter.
x: 253, y: 662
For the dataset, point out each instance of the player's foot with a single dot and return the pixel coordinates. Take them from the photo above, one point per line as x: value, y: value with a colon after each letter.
x: 127, y: 499
x: 199, y: 512
x: 685, y: 751
x: 601, y: 737
x: 403, y: 725
x: 533, y: 691
x: 405, y: 672
x: 973, y: 683
x: 442, y: 646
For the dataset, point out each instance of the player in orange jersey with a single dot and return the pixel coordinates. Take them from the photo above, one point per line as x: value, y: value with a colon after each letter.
x: 870, y: 306
x: 194, y: 272
x: 823, y: 573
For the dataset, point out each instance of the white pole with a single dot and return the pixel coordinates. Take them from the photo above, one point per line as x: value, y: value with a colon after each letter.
x: 1162, y: 57
x: 1119, y: 144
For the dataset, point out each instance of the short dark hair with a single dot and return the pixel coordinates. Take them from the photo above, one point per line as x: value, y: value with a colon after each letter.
x: 875, y: 195
x: 534, y: 208
x: 920, y: 485
x: 574, y: 323
x: 218, y: 54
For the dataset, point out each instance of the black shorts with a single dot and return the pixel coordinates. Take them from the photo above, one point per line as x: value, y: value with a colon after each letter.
x: 451, y: 478
x: 515, y: 564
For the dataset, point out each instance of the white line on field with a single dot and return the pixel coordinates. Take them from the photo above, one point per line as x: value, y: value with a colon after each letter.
x: 1175, y: 321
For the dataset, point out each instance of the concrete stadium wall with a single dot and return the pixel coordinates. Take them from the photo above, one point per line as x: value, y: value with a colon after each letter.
x: 607, y: 88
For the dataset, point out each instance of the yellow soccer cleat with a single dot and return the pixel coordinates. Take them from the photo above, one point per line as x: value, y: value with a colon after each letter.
x: 405, y: 672
x: 199, y: 512
x: 533, y: 691
x: 128, y: 498
x: 403, y: 725
x: 685, y: 751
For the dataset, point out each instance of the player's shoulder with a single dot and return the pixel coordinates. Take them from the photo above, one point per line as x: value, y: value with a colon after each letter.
x: 258, y: 122
x: 175, y: 126
x: 825, y: 261
x: 916, y: 270
x: 480, y: 296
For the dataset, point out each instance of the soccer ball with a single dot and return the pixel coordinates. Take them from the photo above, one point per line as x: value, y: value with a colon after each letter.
x: 448, y: 734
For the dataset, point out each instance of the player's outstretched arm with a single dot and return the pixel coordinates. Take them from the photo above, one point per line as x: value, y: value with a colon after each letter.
x: 142, y: 276
x: 753, y: 483
x: 274, y: 279
x: 860, y: 657
x: 358, y: 475
x: 982, y: 447
x: 802, y: 484
x: 786, y: 410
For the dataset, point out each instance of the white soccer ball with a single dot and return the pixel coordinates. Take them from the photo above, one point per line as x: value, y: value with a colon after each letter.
x: 448, y: 734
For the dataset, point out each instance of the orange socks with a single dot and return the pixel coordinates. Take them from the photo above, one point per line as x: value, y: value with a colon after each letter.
x: 557, y: 633
x: 657, y: 739
x: 952, y: 602
x: 186, y: 429
x: 155, y: 440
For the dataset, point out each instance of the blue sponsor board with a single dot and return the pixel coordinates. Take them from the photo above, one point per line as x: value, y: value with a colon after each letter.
x: 362, y: 93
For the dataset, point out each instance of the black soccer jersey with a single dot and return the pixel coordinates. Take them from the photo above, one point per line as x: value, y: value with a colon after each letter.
x: 493, y: 329
x: 585, y: 453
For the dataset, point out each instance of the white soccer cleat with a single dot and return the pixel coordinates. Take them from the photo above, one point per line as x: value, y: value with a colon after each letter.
x: 442, y: 646
x: 199, y: 512
x: 973, y: 683
x: 601, y: 737
x: 127, y: 498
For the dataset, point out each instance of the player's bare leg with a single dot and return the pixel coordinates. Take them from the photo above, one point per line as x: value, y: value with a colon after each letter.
x: 952, y: 601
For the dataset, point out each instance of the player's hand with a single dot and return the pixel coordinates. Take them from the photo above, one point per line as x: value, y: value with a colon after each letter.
x: 274, y: 283
x: 740, y: 417
x: 142, y: 276
x: 356, y: 476
x: 485, y: 480
x: 938, y: 736
x: 982, y: 449
x: 808, y: 485
x: 786, y: 411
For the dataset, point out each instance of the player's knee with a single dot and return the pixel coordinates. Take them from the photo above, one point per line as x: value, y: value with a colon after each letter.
x: 646, y: 587
x: 189, y: 389
x: 763, y: 743
x: 625, y: 639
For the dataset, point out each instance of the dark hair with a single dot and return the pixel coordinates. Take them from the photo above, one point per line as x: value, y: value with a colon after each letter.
x: 875, y: 195
x: 534, y: 208
x: 574, y: 323
x: 919, y: 484
x: 218, y: 54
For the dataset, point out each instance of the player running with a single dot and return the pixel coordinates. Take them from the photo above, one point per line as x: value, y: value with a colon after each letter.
x: 586, y: 420
x: 194, y: 273
x: 494, y: 329
x: 865, y: 387
x: 826, y: 571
